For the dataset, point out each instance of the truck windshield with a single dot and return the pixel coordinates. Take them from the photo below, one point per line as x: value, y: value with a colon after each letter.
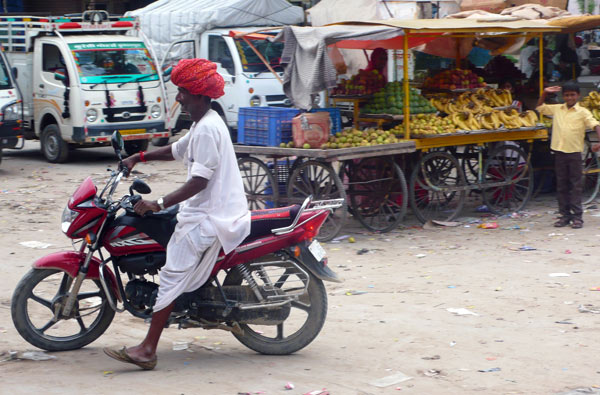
x: 97, y: 61
x: 4, y: 75
x: 251, y: 62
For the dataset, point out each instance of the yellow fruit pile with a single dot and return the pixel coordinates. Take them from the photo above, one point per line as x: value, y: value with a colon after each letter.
x: 509, y: 119
x: 360, y: 138
x: 480, y: 101
x: 427, y: 124
x: 592, y: 103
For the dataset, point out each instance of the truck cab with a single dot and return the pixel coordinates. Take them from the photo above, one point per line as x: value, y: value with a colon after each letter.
x: 11, y: 112
x: 248, y: 81
x: 82, y: 79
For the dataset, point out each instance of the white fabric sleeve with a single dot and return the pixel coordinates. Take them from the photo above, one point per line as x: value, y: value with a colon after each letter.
x: 204, y: 155
x: 180, y: 146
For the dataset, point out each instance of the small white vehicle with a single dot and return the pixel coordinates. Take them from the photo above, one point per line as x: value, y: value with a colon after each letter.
x: 248, y: 81
x: 10, y: 106
x: 82, y: 78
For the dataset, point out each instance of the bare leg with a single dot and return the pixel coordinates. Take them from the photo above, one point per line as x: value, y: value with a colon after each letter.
x: 146, y: 350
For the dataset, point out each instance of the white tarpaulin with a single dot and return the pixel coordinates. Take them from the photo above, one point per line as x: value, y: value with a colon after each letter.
x: 166, y: 21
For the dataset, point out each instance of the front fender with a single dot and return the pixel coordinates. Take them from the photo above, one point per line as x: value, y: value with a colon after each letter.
x: 70, y: 261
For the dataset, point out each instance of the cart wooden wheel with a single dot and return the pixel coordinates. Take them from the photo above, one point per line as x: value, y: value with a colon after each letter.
x: 509, y: 166
x: 319, y: 180
x: 262, y: 191
x: 470, y: 163
x: 591, y: 167
x: 378, y: 193
x: 433, y: 187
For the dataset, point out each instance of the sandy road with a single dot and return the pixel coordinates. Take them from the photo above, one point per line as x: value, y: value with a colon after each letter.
x: 527, y: 323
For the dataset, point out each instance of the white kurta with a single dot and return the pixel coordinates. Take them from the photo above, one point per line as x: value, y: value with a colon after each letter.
x: 215, y: 217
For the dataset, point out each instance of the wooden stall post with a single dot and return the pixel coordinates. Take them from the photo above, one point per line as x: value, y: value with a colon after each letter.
x: 541, y: 39
x: 406, y: 87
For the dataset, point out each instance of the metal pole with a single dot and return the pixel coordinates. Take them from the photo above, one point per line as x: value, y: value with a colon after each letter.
x: 541, y: 39
x: 406, y: 88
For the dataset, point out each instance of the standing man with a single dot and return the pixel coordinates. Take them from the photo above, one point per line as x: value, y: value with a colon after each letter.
x: 568, y: 133
x: 214, y: 211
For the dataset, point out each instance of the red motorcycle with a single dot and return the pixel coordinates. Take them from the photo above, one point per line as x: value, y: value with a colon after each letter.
x: 268, y: 292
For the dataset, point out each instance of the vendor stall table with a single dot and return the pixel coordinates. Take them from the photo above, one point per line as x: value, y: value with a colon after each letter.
x: 293, y: 174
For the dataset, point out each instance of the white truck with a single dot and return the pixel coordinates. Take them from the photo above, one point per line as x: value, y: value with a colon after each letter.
x: 201, y: 28
x: 11, y: 106
x: 82, y: 78
x: 248, y: 81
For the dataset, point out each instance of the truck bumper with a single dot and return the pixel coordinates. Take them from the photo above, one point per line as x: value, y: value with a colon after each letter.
x: 10, y: 131
x: 129, y: 131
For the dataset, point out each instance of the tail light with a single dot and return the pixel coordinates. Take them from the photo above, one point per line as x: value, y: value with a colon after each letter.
x: 313, y: 226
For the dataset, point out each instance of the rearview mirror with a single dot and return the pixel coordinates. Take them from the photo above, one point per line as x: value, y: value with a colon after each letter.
x: 167, y: 72
x: 117, y: 143
x: 60, y: 76
x: 140, y: 187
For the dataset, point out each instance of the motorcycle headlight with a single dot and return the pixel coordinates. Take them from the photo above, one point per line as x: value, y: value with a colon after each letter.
x: 255, y: 101
x: 12, y: 111
x: 68, y: 216
x: 155, y: 111
x: 91, y: 115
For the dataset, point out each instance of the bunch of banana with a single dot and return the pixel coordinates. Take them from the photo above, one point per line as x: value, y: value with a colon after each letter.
x: 489, y: 120
x: 592, y: 103
x: 500, y: 97
x: 465, y: 121
x: 528, y: 118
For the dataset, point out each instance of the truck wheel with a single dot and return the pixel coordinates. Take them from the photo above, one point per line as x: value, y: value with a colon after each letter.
x: 54, y: 148
x: 160, y: 142
x: 135, y: 146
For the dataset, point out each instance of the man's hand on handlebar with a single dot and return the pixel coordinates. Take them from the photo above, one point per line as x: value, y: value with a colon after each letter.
x: 129, y: 163
x: 144, y: 206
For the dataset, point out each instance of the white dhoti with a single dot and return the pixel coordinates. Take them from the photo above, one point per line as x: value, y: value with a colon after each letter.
x: 190, y: 260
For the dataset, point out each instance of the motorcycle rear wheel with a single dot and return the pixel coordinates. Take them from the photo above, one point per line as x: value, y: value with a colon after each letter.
x: 34, y: 301
x: 271, y: 339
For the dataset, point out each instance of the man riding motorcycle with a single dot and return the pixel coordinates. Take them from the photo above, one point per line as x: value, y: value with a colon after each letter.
x: 214, y: 211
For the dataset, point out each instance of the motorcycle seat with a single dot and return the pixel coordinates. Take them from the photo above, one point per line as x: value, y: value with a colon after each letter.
x: 263, y: 221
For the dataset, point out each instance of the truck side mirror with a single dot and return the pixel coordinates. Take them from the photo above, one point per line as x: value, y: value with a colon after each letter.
x: 15, y: 73
x: 60, y: 76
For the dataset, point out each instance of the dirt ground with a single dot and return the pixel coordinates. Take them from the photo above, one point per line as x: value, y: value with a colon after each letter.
x: 389, y: 316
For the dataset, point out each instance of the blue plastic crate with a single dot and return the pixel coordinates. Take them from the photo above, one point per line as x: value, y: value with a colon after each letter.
x: 267, y: 126
x: 335, y: 118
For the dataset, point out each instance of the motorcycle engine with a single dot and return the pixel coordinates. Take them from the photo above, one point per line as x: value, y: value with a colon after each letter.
x: 141, y: 294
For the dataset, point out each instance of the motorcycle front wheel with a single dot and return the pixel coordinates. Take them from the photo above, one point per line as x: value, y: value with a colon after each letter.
x: 303, y: 324
x: 38, y: 303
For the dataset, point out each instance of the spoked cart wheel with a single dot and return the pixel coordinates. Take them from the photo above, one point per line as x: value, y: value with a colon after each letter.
x: 378, y: 193
x: 509, y: 166
x: 591, y: 168
x: 321, y: 181
x: 434, y: 188
x: 470, y: 163
x: 260, y: 186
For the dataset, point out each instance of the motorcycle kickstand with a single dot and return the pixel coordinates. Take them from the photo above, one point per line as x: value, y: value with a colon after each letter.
x: 229, y: 304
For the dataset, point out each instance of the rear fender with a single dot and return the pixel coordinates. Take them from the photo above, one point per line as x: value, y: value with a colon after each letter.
x: 70, y: 261
x: 318, y: 268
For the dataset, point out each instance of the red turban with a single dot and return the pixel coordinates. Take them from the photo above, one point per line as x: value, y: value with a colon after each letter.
x: 199, y: 77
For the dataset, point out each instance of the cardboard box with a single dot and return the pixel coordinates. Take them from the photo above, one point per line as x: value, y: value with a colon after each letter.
x: 562, y: 4
x: 485, y: 5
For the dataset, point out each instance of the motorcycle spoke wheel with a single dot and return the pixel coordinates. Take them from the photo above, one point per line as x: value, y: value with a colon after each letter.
x: 38, y: 303
x: 304, y: 322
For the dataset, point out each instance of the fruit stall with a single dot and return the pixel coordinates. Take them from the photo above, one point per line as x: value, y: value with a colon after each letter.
x: 464, y: 134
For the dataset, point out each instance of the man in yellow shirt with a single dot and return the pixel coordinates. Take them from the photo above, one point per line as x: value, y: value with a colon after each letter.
x: 570, y: 122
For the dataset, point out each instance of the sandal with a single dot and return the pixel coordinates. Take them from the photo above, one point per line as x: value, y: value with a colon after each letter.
x: 121, y: 355
x: 562, y: 222
x: 577, y: 224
